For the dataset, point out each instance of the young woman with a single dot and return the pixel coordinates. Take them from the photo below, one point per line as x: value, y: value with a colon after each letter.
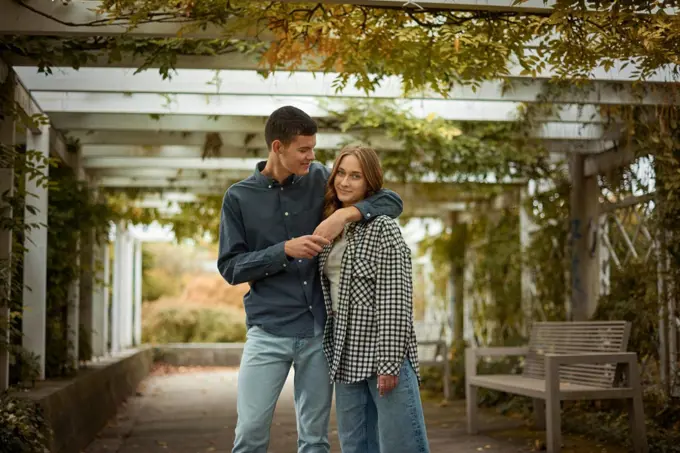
x: 369, y: 339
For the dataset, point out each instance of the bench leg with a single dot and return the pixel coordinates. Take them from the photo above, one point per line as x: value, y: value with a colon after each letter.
x: 553, y: 434
x: 539, y: 413
x: 447, y: 379
x: 636, y: 420
x: 471, y: 402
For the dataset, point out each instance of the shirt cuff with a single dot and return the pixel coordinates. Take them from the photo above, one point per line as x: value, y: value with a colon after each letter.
x: 389, y: 368
x: 280, y: 261
x: 365, y: 209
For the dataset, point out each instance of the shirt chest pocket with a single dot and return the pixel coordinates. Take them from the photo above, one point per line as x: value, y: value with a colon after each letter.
x: 363, y: 281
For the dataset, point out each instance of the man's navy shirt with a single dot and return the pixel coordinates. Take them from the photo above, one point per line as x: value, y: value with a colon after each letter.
x: 258, y: 216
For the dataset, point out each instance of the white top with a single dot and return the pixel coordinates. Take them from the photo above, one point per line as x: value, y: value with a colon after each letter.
x: 333, y: 268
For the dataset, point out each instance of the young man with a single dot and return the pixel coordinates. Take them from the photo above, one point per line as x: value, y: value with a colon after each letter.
x: 270, y: 236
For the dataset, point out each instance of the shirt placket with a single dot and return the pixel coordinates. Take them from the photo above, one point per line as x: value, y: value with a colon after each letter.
x: 287, y: 203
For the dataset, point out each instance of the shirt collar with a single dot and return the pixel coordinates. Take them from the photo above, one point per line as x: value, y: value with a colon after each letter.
x: 271, y: 182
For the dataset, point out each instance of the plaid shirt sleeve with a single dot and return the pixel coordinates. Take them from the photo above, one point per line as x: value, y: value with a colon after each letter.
x: 394, y: 299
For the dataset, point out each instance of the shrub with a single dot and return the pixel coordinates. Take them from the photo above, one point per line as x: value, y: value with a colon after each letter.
x: 193, y: 324
x: 22, y: 427
x: 158, y: 283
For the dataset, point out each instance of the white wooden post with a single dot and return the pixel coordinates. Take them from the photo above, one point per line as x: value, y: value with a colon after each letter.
x: 100, y: 300
x: 526, y: 227
x: 584, y: 269
x: 7, y: 138
x: 127, y: 292
x: 35, y: 260
x: 117, y: 294
x: 73, y: 316
x: 138, y: 293
x: 87, y: 275
x: 604, y: 257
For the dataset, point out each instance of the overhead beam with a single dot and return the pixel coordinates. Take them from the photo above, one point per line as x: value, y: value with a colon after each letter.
x: 619, y: 71
x: 217, y: 163
x: 603, y: 163
x: 197, y: 124
x: 263, y: 106
x: 125, y: 142
x: 284, y: 83
x: 541, y: 7
x: 80, y: 18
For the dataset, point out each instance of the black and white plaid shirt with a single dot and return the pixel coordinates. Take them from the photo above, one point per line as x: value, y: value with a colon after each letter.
x: 372, y: 331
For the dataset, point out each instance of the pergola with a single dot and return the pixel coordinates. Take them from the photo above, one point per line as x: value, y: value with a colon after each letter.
x: 143, y: 131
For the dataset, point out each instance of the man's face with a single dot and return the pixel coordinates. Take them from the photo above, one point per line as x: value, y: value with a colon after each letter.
x: 299, y: 155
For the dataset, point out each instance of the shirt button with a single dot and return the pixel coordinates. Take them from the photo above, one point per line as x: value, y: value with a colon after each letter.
x: 266, y: 274
x: 270, y: 186
x: 281, y: 188
x: 299, y: 261
x: 305, y: 283
x: 285, y: 213
x: 310, y: 307
x: 368, y: 214
x: 284, y: 265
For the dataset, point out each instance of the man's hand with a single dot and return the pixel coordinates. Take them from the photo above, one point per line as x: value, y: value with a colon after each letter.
x: 333, y: 225
x: 305, y: 246
x: 387, y: 383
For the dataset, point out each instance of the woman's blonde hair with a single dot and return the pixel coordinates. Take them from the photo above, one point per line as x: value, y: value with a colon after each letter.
x: 370, y: 166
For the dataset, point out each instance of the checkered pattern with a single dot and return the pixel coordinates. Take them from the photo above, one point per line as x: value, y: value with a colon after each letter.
x: 372, y: 331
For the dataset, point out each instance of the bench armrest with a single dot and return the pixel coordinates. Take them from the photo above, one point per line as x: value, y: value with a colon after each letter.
x: 591, y: 358
x: 431, y: 343
x: 472, y: 354
x: 498, y: 351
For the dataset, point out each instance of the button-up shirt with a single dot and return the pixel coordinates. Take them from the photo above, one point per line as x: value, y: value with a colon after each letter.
x: 259, y: 215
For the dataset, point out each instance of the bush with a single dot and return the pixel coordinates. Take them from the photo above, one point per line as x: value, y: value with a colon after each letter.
x: 158, y: 283
x: 193, y: 324
x: 22, y: 427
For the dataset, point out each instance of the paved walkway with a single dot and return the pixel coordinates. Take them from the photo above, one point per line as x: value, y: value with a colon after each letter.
x: 193, y: 411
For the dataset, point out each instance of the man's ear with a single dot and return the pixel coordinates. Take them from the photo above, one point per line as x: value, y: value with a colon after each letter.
x: 277, y: 146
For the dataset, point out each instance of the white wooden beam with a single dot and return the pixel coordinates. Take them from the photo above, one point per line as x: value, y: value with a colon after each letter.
x: 542, y: 7
x: 224, y: 163
x: 262, y: 106
x: 182, y: 183
x: 620, y: 70
x: 34, y: 317
x: 284, y: 83
x: 100, y: 143
x: 176, y: 125
x: 80, y: 18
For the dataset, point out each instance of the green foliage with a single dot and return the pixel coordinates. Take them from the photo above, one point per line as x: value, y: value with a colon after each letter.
x: 198, y: 220
x: 22, y: 426
x: 467, y: 152
x: 192, y: 324
x: 72, y: 211
x: 498, y: 316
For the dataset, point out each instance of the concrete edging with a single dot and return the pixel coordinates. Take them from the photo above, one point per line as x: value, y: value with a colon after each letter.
x: 77, y: 409
x: 199, y: 354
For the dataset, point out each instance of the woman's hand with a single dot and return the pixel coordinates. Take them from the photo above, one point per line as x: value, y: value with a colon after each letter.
x: 387, y: 383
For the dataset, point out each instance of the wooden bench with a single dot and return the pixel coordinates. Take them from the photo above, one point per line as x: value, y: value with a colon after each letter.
x: 433, y: 351
x: 566, y: 361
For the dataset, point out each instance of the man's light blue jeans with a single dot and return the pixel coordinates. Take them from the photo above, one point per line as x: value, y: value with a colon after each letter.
x: 265, y: 364
x: 370, y: 423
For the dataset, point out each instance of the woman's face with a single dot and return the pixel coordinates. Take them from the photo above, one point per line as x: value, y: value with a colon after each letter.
x: 350, y: 183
